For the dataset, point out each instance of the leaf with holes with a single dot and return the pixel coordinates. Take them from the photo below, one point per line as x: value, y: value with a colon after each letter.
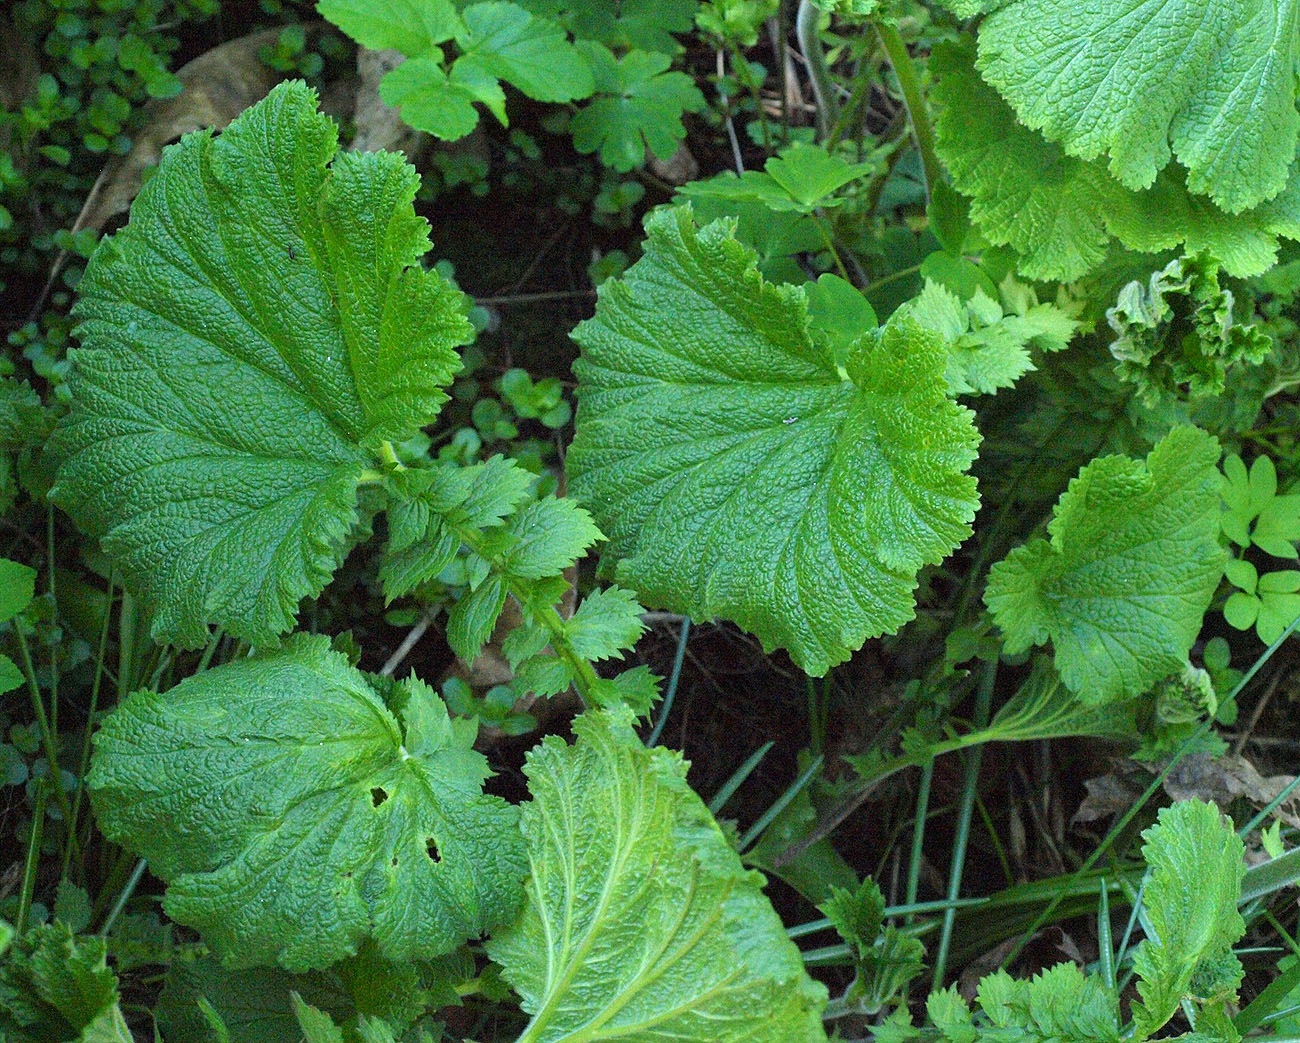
x: 295, y: 815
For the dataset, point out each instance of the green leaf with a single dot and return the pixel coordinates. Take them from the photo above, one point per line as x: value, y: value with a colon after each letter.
x: 987, y: 349
x: 800, y: 179
x: 1179, y: 331
x: 440, y: 102
x: 531, y: 53
x: 1060, y: 213
x: 413, y: 27
x: 1212, y: 84
x: 1060, y: 1003
x: 1197, y: 867
x: 251, y: 336
x: 472, y: 619
x: 1132, y: 564
x: 628, y: 24
x: 544, y: 538
x: 17, y: 587
x: 606, y: 623
x: 640, y: 923
x: 1044, y: 708
x: 739, y: 472
x: 57, y: 985
x: 255, y: 1005
x: 638, y: 105
x: 295, y: 816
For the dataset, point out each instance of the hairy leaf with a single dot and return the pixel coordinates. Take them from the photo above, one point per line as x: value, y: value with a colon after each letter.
x: 1179, y: 331
x: 1133, y: 561
x: 294, y: 815
x: 252, y: 335
x: 1197, y: 869
x: 1144, y: 81
x: 638, y: 106
x: 1061, y: 212
x: 739, y: 472
x: 640, y: 923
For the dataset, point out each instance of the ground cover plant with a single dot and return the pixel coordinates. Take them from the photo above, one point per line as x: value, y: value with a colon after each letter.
x: 560, y: 521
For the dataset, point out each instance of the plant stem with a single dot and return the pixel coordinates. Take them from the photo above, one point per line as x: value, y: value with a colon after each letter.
x: 805, y: 29
x: 983, y: 699
x: 830, y: 246
x: 914, y: 101
x: 47, y: 736
x: 30, y: 862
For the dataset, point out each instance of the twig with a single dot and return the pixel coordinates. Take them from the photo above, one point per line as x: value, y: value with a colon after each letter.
x: 408, y: 642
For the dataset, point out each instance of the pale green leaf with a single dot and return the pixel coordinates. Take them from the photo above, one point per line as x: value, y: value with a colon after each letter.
x: 316, y: 1025
x: 254, y: 332
x: 1058, y: 1004
x: 739, y: 472
x: 544, y: 538
x: 987, y: 348
x: 1197, y: 868
x: 1133, y: 561
x: 640, y: 923
x: 638, y: 106
x: 295, y: 816
x: 1061, y: 213
x: 1144, y: 81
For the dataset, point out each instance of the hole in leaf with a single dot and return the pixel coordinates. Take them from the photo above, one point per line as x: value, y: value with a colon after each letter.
x: 394, y: 862
x: 431, y: 849
x: 378, y: 796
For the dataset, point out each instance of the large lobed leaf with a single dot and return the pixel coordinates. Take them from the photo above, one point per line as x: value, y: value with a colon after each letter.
x: 1061, y: 212
x: 294, y: 815
x: 640, y: 924
x: 739, y: 471
x: 1132, y: 563
x: 254, y: 332
x: 1144, y: 81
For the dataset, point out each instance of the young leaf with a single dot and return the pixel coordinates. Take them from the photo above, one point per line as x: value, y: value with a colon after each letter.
x: 640, y: 924
x: 250, y: 337
x: 1179, y: 330
x: 886, y: 961
x: 1213, y: 84
x: 56, y: 985
x: 638, y: 106
x: 607, y: 622
x: 739, y: 472
x: 987, y: 349
x: 294, y: 816
x: 1060, y: 1003
x: 1133, y: 561
x: 800, y: 179
x: 1060, y: 212
x: 1197, y: 868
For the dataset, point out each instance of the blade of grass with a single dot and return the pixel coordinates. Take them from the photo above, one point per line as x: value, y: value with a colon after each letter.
x: 670, y: 693
x: 738, y: 777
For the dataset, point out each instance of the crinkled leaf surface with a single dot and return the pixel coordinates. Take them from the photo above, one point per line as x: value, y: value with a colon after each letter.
x: 1130, y: 569
x: 1197, y: 869
x: 638, y: 106
x: 1178, y: 332
x: 640, y: 923
x: 1213, y: 84
x: 294, y: 815
x: 258, y: 327
x: 1061, y: 212
x: 739, y: 472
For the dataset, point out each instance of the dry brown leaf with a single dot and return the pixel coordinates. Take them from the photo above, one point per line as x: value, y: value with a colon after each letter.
x: 1221, y: 780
